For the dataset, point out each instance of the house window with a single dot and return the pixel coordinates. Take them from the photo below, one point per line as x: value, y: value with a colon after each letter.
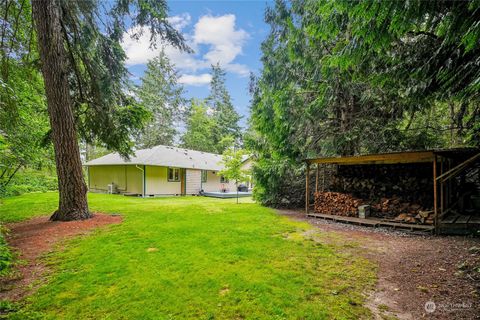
x: 204, y: 176
x: 173, y: 174
x: 223, y: 179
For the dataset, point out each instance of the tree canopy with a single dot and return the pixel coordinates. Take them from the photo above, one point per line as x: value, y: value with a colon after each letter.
x: 23, y: 112
x: 199, y: 128
x: 225, y: 116
x: 232, y: 160
x: 216, y: 125
x: 161, y: 95
x: 350, y: 77
x: 78, y: 45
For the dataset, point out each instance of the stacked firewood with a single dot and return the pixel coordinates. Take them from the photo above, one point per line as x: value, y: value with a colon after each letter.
x: 343, y: 204
x: 422, y: 217
x: 401, y: 211
x: 410, y: 182
x: 336, y: 203
x: 400, y: 192
x: 391, y: 207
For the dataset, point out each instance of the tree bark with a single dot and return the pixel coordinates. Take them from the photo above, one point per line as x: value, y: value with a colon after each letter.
x: 71, y: 185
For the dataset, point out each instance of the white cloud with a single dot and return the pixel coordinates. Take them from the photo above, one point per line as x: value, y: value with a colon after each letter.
x: 220, y: 35
x: 140, y: 51
x: 217, y: 34
x: 195, y: 80
x: 180, y: 21
x: 237, y: 68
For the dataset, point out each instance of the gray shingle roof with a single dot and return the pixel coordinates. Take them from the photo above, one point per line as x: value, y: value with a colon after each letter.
x: 164, y: 156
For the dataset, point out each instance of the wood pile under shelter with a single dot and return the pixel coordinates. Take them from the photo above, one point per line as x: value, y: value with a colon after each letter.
x: 430, y: 190
x: 336, y: 203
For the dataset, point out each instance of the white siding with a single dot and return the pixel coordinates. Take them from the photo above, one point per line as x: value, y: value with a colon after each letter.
x: 193, y: 179
x: 213, y: 183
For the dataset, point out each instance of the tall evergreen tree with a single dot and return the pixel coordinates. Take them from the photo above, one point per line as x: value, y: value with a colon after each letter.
x: 199, y: 129
x: 86, y: 81
x: 227, y: 129
x: 160, y: 94
x: 347, y: 77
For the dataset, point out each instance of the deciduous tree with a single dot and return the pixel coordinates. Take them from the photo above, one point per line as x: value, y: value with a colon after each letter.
x: 232, y: 160
x: 23, y: 113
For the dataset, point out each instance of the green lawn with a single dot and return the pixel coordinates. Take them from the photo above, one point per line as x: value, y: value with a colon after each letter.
x: 215, y: 260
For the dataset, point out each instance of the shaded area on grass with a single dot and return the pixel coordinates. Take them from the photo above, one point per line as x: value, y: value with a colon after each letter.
x: 34, y: 238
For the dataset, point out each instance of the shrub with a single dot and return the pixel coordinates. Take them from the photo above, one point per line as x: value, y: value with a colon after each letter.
x: 29, y: 180
x: 279, y: 182
x: 6, y: 257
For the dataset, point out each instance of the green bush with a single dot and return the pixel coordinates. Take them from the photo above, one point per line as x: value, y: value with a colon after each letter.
x: 279, y: 183
x: 6, y: 257
x: 29, y: 180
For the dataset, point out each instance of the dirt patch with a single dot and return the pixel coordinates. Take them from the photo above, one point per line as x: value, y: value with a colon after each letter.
x: 35, y: 237
x: 413, y: 270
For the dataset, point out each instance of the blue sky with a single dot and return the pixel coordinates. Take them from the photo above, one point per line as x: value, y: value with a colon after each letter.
x: 228, y: 32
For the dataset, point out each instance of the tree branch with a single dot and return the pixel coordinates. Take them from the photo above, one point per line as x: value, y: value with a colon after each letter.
x: 11, y: 176
x: 423, y: 33
x: 71, y: 57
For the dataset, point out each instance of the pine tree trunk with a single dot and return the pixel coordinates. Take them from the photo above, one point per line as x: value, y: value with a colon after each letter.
x: 71, y: 185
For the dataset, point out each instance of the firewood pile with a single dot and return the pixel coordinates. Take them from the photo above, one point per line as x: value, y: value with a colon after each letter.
x: 410, y: 182
x: 422, y: 217
x: 342, y: 204
x: 399, y: 192
x: 336, y: 203
x: 401, y: 211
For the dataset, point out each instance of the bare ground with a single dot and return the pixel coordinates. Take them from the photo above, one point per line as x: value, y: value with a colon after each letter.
x: 413, y: 270
x: 34, y: 238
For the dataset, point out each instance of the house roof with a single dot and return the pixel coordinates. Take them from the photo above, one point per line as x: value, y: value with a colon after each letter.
x: 164, y: 156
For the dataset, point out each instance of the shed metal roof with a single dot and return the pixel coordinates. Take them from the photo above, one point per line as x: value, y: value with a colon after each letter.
x: 164, y: 156
x: 398, y: 157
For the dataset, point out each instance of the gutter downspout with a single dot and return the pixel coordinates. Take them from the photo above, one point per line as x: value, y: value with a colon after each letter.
x: 88, y: 177
x: 143, y: 179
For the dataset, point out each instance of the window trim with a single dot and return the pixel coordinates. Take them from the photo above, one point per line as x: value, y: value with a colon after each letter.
x: 173, y: 174
x: 203, y: 176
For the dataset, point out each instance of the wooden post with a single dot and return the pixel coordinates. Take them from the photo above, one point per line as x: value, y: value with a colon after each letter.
x: 307, y: 191
x: 449, y: 186
x: 442, y: 186
x: 324, y: 168
x: 316, y: 178
x: 435, y: 204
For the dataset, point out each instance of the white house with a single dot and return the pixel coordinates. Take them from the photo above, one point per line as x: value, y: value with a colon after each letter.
x: 161, y: 170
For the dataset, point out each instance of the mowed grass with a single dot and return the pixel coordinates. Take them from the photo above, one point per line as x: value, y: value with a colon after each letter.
x: 215, y: 260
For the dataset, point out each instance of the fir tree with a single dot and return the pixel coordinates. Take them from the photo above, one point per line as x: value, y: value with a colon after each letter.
x: 199, y: 129
x: 160, y: 94
x: 226, y: 118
